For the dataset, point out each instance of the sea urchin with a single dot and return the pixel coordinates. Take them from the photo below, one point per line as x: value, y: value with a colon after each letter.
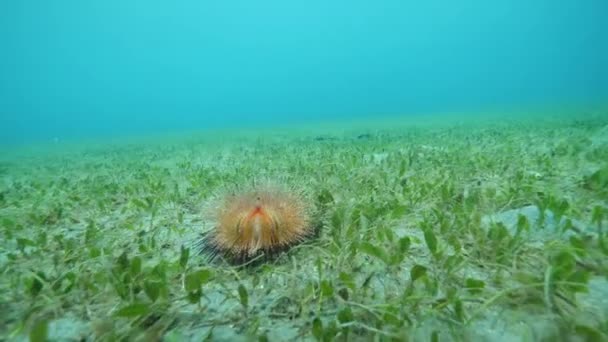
x: 263, y: 220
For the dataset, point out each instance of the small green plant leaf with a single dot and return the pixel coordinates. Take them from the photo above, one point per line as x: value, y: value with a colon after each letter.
x: 589, y: 333
x: 139, y: 203
x: 183, y: 256
x: 404, y: 244
x: 152, y: 289
x: 597, y: 215
x: 194, y: 280
x: 368, y: 279
x: 133, y: 310
x: 374, y: 251
x: 195, y: 296
x: 91, y: 233
x: 347, y: 280
x: 22, y: 243
x: 35, y: 287
x: 243, y: 296
x: 327, y: 289
x: 398, y: 212
x: 135, y: 266
x: 392, y: 318
x: 522, y: 224
x: 337, y: 218
x: 94, y: 252
x: 330, y: 331
x: 474, y: 285
x: 416, y: 272
x: 317, y: 329
x: 343, y: 293
x: 579, y: 280
x: 459, y: 310
x: 431, y: 240
x: 325, y: 197
x: 122, y: 263
x: 435, y: 336
x: 345, y: 315
x: 39, y: 331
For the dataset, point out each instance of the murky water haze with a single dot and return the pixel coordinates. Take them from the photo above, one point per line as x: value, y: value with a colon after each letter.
x: 80, y: 68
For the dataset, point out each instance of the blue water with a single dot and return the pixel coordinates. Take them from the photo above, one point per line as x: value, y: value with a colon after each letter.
x: 85, y: 68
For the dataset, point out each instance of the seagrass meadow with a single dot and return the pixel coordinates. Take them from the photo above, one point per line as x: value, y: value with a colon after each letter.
x: 462, y: 229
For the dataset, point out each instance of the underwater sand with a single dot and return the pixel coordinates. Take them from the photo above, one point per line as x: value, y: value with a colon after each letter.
x: 452, y: 230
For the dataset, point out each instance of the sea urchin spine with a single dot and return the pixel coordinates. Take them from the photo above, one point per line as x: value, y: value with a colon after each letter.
x: 264, y: 220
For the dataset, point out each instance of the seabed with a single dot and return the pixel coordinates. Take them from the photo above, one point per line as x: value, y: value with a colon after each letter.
x: 463, y: 229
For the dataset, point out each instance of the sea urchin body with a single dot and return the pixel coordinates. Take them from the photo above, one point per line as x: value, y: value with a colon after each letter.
x: 263, y: 220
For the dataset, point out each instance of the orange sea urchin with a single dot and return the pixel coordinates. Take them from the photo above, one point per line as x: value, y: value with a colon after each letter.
x: 263, y: 220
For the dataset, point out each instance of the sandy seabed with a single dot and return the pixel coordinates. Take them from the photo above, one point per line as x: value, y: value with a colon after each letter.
x: 455, y: 230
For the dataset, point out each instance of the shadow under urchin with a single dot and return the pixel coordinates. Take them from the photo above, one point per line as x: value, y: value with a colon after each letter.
x: 205, y: 246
